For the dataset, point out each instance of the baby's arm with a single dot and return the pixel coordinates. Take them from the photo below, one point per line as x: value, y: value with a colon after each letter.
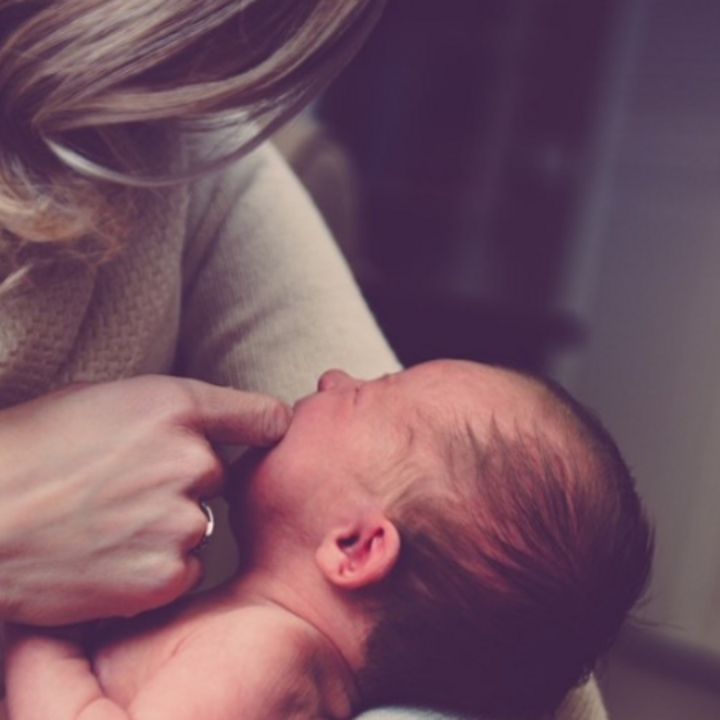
x: 50, y: 677
x: 250, y: 664
x: 252, y: 669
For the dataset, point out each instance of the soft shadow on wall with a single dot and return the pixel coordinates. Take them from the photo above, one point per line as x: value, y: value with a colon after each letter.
x: 471, y: 124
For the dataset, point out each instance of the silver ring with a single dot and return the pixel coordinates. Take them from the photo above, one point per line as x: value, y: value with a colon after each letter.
x: 209, y: 528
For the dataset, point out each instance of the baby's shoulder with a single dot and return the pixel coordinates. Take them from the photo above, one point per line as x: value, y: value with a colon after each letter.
x: 267, y: 629
x: 278, y: 659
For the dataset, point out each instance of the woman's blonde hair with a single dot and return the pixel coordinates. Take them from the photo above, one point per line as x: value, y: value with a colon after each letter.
x: 89, y: 87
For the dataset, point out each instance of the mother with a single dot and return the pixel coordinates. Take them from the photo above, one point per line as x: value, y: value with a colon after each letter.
x: 128, y: 267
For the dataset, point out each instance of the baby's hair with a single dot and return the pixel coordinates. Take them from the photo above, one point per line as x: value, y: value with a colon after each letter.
x: 89, y: 89
x: 505, y: 596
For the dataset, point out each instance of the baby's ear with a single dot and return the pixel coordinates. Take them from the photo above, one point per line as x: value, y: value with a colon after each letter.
x: 359, y: 554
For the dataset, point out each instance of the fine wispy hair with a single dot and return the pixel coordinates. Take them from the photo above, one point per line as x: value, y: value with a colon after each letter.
x: 508, y: 591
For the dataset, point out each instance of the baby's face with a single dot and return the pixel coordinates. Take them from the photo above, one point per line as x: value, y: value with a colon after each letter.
x: 344, y: 440
x: 349, y: 440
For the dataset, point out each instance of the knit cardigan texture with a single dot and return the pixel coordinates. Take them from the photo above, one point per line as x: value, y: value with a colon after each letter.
x: 232, y: 279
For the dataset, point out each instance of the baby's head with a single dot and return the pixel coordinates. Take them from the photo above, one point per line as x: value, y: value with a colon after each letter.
x: 486, y: 519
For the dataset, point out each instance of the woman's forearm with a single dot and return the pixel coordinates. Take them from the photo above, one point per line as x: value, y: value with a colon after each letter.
x: 273, y: 304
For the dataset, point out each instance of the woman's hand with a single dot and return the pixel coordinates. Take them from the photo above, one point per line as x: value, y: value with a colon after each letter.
x: 99, y: 490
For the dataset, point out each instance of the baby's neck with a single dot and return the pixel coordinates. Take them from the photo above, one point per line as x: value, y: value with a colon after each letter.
x: 312, y: 601
x: 317, y: 669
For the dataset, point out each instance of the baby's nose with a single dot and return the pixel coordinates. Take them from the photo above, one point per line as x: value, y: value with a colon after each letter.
x: 334, y: 379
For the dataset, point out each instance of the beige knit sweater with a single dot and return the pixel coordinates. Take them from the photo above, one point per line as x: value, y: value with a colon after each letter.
x: 232, y: 279
x: 222, y: 282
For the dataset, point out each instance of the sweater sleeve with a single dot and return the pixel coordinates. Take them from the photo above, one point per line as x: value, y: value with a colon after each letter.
x: 269, y: 302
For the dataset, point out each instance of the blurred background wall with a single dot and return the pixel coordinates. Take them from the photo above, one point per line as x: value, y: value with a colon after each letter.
x: 540, y: 186
x: 651, y: 302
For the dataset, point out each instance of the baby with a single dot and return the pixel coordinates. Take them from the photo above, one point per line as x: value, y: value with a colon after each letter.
x: 456, y: 536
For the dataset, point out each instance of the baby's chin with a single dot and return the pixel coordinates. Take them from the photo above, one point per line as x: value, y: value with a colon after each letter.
x: 239, y: 498
x: 241, y: 472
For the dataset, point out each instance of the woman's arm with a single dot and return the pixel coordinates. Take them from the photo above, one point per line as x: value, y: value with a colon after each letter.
x: 269, y: 301
x: 583, y: 703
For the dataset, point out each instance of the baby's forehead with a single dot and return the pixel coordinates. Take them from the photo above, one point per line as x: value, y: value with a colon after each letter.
x: 438, y: 412
x: 469, y: 401
x: 459, y: 392
x: 436, y: 438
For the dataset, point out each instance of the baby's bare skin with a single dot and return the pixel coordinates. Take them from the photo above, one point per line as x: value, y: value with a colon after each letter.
x: 288, y: 637
x: 219, y: 657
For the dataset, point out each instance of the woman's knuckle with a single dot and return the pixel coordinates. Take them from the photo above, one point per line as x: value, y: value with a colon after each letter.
x: 194, y: 457
x: 196, y: 524
x: 173, y: 572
